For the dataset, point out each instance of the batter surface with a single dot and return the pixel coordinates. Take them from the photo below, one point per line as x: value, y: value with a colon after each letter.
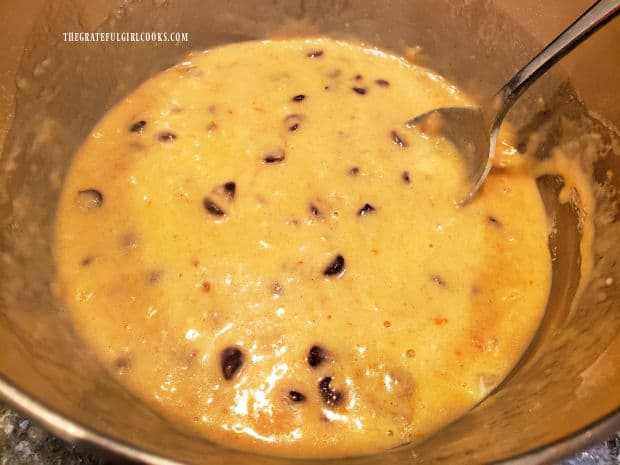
x: 256, y: 246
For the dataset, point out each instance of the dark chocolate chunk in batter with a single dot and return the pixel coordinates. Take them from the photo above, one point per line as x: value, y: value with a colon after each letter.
x: 296, y: 396
x: 494, y: 221
x: 398, y: 140
x: 231, y: 360
x: 329, y: 395
x: 365, y: 210
x: 212, y: 207
x: 275, y: 156
x: 315, y: 211
x: 138, y: 126
x: 293, y: 122
x: 166, y: 136
x: 336, y: 267
x: 229, y: 190
x: 316, y: 356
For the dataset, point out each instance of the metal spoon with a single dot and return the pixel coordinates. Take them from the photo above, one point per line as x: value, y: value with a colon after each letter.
x: 473, y: 130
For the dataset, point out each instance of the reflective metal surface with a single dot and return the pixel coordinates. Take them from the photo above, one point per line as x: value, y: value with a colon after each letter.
x: 474, y: 130
x: 562, y: 397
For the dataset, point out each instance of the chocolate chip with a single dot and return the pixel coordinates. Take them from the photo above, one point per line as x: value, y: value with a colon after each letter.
x: 405, y: 177
x: 213, y: 208
x: 231, y: 360
x: 316, y: 356
x: 382, y: 83
x: 229, y: 189
x: 315, y: 211
x: 438, y: 280
x: 296, y: 396
x: 315, y: 54
x: 298, y: 98
x: 336, y: 267
x: 275, y: 156
x: 293, y: 121
x: 398, y: 140
x: 166, y: 136
x: 366, y: 209
x: 494, y: 221
x: 358, y: 77
x: 138, y: 126
x: 329, y: 395
x: 87, y: 261
x: 354, y: 171
x: 359, y: 90
x: 88, y: 200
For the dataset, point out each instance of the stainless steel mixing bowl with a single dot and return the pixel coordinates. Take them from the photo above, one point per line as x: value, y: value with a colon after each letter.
x: 562, y: 396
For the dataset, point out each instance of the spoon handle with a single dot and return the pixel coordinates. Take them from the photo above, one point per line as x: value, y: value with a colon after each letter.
x: 598, y: 15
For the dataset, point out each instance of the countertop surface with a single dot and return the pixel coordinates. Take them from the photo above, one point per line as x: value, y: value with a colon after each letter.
x: 23, y: 443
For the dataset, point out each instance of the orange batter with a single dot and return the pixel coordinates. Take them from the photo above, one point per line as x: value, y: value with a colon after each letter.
x: 257, y: 247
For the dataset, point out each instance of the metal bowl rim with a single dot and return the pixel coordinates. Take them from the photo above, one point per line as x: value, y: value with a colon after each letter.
x: 80, y: 434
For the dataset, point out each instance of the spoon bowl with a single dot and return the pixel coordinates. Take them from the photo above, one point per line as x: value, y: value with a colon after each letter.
x: 473, y: 130
x: 470, y: 131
